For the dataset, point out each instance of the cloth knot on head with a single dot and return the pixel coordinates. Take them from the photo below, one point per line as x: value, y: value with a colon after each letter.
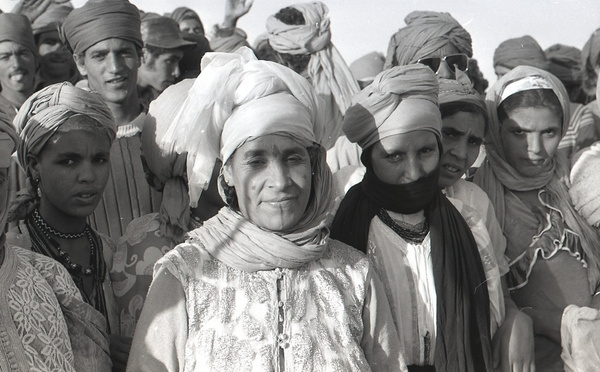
x: 400, y: 100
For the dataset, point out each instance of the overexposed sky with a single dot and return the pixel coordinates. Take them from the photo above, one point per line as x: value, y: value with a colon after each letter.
x: 360, y: 26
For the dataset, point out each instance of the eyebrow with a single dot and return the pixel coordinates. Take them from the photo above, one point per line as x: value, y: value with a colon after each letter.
x: 454, y: 131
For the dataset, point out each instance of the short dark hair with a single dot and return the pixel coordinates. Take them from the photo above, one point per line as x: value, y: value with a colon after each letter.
x: 453, y: 108
x: 530, y: 98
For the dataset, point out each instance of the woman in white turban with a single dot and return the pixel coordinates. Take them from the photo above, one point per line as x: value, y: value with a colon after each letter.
x: 260, y: 286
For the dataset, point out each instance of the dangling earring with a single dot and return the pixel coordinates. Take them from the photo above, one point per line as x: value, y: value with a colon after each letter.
x: 39, y: 190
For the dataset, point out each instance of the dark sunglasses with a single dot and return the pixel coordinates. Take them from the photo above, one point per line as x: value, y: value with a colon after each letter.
x: 454, y: 61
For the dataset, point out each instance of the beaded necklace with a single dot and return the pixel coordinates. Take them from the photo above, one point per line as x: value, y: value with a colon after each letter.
x: 413, y: 234
x: 63, y: 257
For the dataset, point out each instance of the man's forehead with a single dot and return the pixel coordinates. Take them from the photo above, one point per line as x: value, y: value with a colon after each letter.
x: 9, y: 45
x: 112, y: 44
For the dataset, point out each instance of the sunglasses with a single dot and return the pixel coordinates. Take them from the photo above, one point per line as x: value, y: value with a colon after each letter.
x: 454, y: 61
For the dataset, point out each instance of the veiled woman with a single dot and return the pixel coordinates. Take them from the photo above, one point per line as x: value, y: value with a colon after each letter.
x: 433, y: 255
x: 260, y: 286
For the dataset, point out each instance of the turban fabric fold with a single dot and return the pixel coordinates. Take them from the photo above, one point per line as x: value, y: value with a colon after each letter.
x: 182, y: 13
x: 46, y: 111
x: 461, y: 91
x: 326, y: 69
x: 400, y: 100
x: 520, y: 51
x: 565, y: 63
x: 16, y: 28
x: 425, y: 33
x: 98, y: 21
x: 51, y: 19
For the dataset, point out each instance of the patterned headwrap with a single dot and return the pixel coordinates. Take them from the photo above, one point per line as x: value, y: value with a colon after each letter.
x: 520, y: 51
x: 41, y: 116
x: 565, y: 63
x: 327, y: 69
x: 98, y: 21
x: 51, y: 19
x: 425, y: 33
x: 590, y: 58
x: 400, y: 100
x: 16, y: 28
x: 455, y: 91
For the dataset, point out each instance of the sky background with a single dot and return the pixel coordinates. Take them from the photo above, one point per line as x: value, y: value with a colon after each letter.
x: 360, y: 27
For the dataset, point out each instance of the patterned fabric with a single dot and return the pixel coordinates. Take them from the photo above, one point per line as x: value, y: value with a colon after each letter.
x: 44, y: 323
x: 583, y: 130
x: 324, y: 316
x: 407, y: 272
x: 20, y: 236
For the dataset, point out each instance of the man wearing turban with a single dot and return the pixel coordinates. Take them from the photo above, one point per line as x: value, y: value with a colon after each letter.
x: 519, y: 51
x: 18, y: 61
x: 106, y: 41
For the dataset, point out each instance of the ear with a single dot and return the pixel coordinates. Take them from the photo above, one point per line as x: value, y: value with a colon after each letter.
x: 33, y: 167
x: 228, y: 174
x: 79, y: 62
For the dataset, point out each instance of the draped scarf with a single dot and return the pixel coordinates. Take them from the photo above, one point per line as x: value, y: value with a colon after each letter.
x: 496, y: 175
x: 327, y: 69
x: 463, y: 333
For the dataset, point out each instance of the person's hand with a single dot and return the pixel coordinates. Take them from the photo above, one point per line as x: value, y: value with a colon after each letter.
x: 119, y: 352
x: 513, y: 344
x: 234, y: 10
x: 584, y: 190
x: 31, y: 8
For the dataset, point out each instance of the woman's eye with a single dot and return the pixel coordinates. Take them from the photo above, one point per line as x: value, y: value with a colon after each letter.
x: 394, y: 157
x: 550, y: 133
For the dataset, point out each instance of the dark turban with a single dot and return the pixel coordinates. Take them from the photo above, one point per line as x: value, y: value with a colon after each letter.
x: 98, y: 21
x: 51, y: 19
x: 589, y: 60
x: 565, y: 63
x: 16, y: 28
x: 183, y: 13
x: 425, y: 33
x: 520, y: 51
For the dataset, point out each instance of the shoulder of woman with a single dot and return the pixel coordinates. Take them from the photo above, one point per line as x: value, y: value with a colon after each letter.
x: 344, y: 253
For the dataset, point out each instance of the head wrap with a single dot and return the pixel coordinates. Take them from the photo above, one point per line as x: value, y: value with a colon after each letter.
x: 520, y: 51
x: 327, y: 69
x: 8, y: 144
x: 42, y: 115
x: 496, y: 175
x: 400, y: 100
x: 590, y: 58
x: 565, y: 63
x: 98, y: 21
x: 162, y: 32
x: 461, y: 91
x: 234, y: 99
x: 16, y: 28
x: 425, y: 33
x: 51, y: 19
x: 183, y: 13
x: 368, y: 66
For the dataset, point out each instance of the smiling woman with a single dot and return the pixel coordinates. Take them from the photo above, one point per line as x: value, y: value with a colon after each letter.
x: 66, y: 134
x: 261, y: 279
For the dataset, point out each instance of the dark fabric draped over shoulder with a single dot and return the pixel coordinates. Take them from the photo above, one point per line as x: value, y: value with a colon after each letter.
x: 463, y: 338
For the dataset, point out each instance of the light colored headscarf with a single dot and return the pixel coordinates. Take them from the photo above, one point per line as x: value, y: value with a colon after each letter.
x: 425, y: 33
x: 237, y: 98
x: 42, y: 115
x: 368, y: 66
x: 496, y: 175
x: 590, y: 55
x: 520, y: 51
x: 327, y: 69
x: 96, y: 21
x: 400, y: 100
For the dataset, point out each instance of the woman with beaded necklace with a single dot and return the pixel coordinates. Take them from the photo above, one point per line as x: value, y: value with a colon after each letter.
x: 65, y: 139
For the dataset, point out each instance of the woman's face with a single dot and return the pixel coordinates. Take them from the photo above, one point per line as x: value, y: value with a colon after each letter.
x: 404, y: 158
x: 530, y: 137
x: 73, y: 169
x: 462, y: 136
x: 272, y: 179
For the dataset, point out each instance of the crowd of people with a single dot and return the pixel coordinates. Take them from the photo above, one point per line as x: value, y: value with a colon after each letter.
x: 175, y: 200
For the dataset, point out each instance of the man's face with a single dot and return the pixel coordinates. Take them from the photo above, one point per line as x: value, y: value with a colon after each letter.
x: 17, y: 67
x: 111, y: 68
x: 160, y: 71
x: 55, y: 59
